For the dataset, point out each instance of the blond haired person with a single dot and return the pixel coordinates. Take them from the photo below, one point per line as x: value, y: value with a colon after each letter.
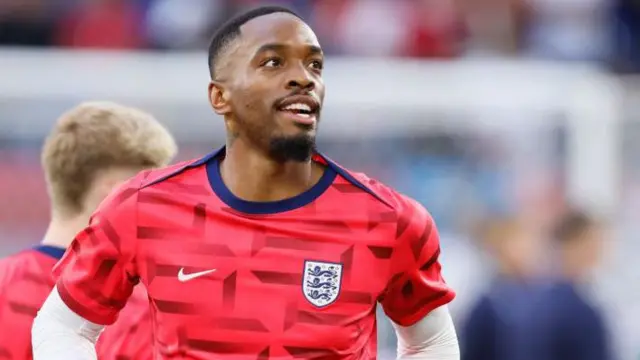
x: 92, y: 149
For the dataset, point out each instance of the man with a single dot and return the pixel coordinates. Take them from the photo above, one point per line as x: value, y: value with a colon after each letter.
x: 565, y: 322
x: 93, y: 148
x: 265, y: 248
x: 495, y: 327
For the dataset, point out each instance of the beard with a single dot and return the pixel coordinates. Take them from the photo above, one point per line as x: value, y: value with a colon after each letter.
x: 279, y: 147
x: 298, y: 148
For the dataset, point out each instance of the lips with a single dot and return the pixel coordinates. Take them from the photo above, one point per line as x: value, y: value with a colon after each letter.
x: 303, y: 105
x: 301, y: 109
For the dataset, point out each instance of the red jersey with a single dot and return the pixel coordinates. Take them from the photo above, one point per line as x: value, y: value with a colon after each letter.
x: 26, y: 280
x: 234, y: 279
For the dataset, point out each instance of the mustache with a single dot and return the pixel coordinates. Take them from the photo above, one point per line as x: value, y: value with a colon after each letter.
x: 303, y: 92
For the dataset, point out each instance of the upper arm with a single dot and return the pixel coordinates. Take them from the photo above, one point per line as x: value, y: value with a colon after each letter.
x: 21, y: 294
x: 416, y: 286
x: 432, y: 337
x: 98, y: 272
x: 60, y: 333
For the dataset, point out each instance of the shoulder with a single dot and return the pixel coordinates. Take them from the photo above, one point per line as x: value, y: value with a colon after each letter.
x: 149, y: 178
x: 407, y: 212
x: 555, y: 305
x: 484, y: 303
x: 481, y: 314
x: 412, y: 221
x: 12, y: 268
x: 27, y: 263
x: 26, y: 275
x: 400, y: 203
x: 559, y: 295
x: 127, y: 193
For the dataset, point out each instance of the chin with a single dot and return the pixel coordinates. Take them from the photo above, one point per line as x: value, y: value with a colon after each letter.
x: 301, y: 133
x: 299, y: 147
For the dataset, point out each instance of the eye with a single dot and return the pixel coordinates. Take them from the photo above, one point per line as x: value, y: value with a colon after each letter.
x: 272, y: 63
x: 317, y: 64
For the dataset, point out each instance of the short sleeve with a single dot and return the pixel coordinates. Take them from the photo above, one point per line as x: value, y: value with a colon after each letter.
x: 416, y: 286
x: 98, y: 272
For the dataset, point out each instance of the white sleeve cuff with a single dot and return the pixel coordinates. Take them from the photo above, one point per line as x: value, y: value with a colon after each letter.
x: 432, y: 338
x: 58, y: 333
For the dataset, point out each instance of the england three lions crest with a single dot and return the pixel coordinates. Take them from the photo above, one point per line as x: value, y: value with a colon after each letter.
x: 321, y: 282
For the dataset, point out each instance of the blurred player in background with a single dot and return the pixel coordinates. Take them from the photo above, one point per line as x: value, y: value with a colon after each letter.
x: 93, y: 148
x: 566, y: 322
x: 265, y: 248
x: 496, y: 326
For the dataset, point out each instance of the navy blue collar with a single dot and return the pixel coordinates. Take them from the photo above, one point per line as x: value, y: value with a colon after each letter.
x: 212, y: 163
x: 55, y: 252
x: 271, y: 207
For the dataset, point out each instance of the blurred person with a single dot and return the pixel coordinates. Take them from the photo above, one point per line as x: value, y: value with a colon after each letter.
x: 436, y: 29
x: 384, y: 23
x: 626, y: 54
x: 26, y: 22
x: 179, y: 24
x: 495, y: 327
x: 575, y: 30
x: 105, y: 24
x: 264, y: 248
x: 322, y: 15
x: 566, y: 323
x: 493, y: 27
x: 92, y: 148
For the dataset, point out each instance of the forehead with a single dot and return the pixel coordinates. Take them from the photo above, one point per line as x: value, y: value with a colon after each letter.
x: 280, y: 28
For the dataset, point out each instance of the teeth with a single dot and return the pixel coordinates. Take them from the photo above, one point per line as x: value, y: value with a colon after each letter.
x: 298, y: 106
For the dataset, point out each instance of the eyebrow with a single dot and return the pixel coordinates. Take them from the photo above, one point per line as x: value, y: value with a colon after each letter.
x: 313, y: 49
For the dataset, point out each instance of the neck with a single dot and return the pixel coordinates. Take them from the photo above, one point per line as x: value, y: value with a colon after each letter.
x: 512, y: 272
x: 573, y: 266
x: 573, y: 272
x: 251, y: 175
x: 61, y: 232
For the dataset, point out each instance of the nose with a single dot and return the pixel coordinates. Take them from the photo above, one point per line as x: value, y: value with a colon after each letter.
x: 300, y: 79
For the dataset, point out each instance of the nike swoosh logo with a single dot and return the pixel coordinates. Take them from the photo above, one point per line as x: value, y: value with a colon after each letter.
x: 182, y: 277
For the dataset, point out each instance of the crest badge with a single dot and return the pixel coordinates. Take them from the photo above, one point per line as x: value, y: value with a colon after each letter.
x: 321, y: 282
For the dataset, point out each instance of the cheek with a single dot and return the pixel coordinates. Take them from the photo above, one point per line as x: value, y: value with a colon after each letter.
x: 250, y: 106
x: 254, y: 100
x: 320, y: 88
x: 597, y: 250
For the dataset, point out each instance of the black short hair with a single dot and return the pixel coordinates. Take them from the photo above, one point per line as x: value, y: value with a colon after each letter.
x: 228, y: 31
x: 572, y: 226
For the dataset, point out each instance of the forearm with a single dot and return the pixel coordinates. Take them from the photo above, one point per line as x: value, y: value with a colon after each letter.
x: 431, y: 338
x: 58, y: 333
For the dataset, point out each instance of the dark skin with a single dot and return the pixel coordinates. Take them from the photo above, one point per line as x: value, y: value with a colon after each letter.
x: 275, y: 57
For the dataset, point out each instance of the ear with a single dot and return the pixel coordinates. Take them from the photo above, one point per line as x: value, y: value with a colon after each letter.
x: 219, y: 98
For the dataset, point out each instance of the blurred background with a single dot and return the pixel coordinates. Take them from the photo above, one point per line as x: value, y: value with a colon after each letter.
x: 483, y: 110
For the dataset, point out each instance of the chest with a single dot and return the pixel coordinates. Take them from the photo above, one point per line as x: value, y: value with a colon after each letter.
x: 217, y: 263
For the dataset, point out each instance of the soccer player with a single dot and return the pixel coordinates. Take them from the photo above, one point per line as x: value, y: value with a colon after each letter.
x: 264, y: 249
x: 93, y: 148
